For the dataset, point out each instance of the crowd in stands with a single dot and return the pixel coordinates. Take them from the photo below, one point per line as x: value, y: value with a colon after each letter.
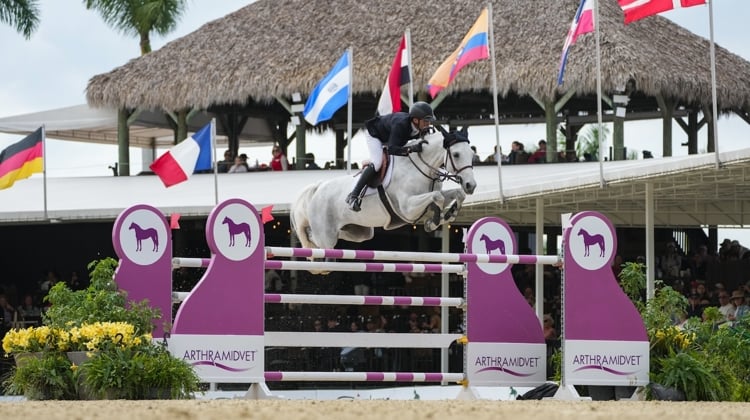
x: 689, y: 275
x: 23, y: 306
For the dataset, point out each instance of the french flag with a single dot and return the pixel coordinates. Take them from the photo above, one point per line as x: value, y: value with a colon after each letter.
x: 190, y: 155
x: 639, y: 9
x: 390, y: 99
x: 583, y: 23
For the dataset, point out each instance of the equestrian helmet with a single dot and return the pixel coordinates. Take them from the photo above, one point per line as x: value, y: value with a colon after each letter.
x: 421, y: 111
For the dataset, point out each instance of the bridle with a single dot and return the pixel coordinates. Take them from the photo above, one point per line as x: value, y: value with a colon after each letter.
x: 449, y: 140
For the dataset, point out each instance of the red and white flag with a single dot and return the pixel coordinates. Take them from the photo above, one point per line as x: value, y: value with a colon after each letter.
x: 639, y: 9
x: 390, y: 99
x: 190, y: 155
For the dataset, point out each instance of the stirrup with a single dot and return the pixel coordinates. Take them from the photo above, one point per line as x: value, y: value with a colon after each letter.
x: 354, y: 202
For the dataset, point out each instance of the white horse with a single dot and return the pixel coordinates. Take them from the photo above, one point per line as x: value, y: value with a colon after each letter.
x: 320, y: 215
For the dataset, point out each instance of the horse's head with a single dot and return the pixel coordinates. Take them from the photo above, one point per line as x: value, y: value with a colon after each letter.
x: 459, y: 157
x: 132, y: 225
x: 226, y: 220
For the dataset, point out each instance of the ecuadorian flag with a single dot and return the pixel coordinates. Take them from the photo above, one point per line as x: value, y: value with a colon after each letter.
x: 475, y: 46
x: 20, y: 160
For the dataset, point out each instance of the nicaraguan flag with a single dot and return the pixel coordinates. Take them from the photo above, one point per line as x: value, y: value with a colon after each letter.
x: 390, y: 99
x: 20, y: 160
x: 330, y: 94
x: 583, y: 23
x: 475, y: 46
x: 190, y: 155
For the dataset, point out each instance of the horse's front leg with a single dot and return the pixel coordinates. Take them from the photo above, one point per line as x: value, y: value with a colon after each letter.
x: 455, y: 198
x: 414, y: 206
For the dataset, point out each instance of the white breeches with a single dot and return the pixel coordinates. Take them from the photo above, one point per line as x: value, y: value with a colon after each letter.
x: 375, y: 146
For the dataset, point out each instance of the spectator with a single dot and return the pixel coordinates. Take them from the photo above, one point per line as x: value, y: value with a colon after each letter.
x: 549, y: 328
x: 475, y: 160
x: 278, y: 161
x: 741, y: 309
x: 273, y: 281
x: 310, y: 161
x: 727, y: 308
x: 223, y: 165
x: 671, y: 262
x: 493, y: 158
x: 8, y: 312
x: 695, y: 308
x: 28, y: 310
x: 238, y: 166
x: 540, y: 156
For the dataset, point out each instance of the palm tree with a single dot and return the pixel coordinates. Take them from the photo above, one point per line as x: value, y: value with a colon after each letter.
x: 21, y: 14
x: 588, y: 140
x: 139, y: 17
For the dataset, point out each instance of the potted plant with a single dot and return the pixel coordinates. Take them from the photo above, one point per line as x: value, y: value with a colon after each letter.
x: 141, y: 372
x: 49, y: 377
x: 116, y: 356
x: 701, y: 360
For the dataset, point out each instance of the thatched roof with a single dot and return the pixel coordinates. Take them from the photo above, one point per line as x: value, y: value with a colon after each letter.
x: 277, y: 47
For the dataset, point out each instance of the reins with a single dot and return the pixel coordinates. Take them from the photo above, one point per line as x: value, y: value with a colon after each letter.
x: 441, y: 174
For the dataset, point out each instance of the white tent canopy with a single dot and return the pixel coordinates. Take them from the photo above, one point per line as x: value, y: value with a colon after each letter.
x: 150, y: 129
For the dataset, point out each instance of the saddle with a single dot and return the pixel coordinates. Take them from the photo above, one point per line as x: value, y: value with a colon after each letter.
x: 380, y: 179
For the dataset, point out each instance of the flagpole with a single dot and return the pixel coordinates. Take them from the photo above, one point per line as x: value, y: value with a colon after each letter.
x: 495, y: 106
x: 713, y: 82
x: 349, y: 113
x: 216, y: 167
x: 599, y: 93
x: 44, y: 166
x: 407, y: 34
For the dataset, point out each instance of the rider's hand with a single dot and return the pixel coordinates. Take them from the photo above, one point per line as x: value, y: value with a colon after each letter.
x: 416, y: 148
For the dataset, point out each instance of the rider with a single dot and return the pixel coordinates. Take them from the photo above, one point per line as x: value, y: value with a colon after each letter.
x: 392, y: 130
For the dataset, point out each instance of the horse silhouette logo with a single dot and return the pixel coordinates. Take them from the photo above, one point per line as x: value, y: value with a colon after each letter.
x: 492, y: 244
x: 141, y: 234
x: 236, y: 229
x: 589, y: 239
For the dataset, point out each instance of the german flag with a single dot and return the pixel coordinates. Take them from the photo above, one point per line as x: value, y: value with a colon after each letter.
x: 20, y: 160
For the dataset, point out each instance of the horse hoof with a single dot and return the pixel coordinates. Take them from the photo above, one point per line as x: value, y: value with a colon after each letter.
x: 430, y: 226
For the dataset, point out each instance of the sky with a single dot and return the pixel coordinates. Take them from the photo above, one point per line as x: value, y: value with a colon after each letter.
x: 72, y: 44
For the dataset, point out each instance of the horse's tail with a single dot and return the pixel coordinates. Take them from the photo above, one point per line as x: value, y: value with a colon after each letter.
x: 298, y: 215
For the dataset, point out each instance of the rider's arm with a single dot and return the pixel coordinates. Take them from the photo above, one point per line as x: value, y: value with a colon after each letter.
x: 398, y: 137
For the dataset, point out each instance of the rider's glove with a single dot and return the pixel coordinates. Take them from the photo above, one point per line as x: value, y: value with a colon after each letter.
x: 416, y: 148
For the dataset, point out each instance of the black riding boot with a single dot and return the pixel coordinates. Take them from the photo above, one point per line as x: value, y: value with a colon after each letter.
x: 354, y: 199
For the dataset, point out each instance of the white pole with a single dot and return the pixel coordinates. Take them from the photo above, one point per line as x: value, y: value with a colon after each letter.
x: 213, y: 158
x: 44, y: 167
x: 407, y: 34
x: 494, y: 105
x: 713, y: 82
x: 599, y: 94
x: 349, y: 113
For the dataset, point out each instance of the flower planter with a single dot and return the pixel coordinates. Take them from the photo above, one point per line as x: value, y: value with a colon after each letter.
x: 22, y: 358
x: 78, y: 358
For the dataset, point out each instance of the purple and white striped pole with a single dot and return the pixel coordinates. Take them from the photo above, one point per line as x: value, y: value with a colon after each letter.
x: 365, y: 376
x: 350, y: 254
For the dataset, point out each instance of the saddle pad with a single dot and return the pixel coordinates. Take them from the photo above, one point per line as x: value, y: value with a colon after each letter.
x: 386, y: 179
